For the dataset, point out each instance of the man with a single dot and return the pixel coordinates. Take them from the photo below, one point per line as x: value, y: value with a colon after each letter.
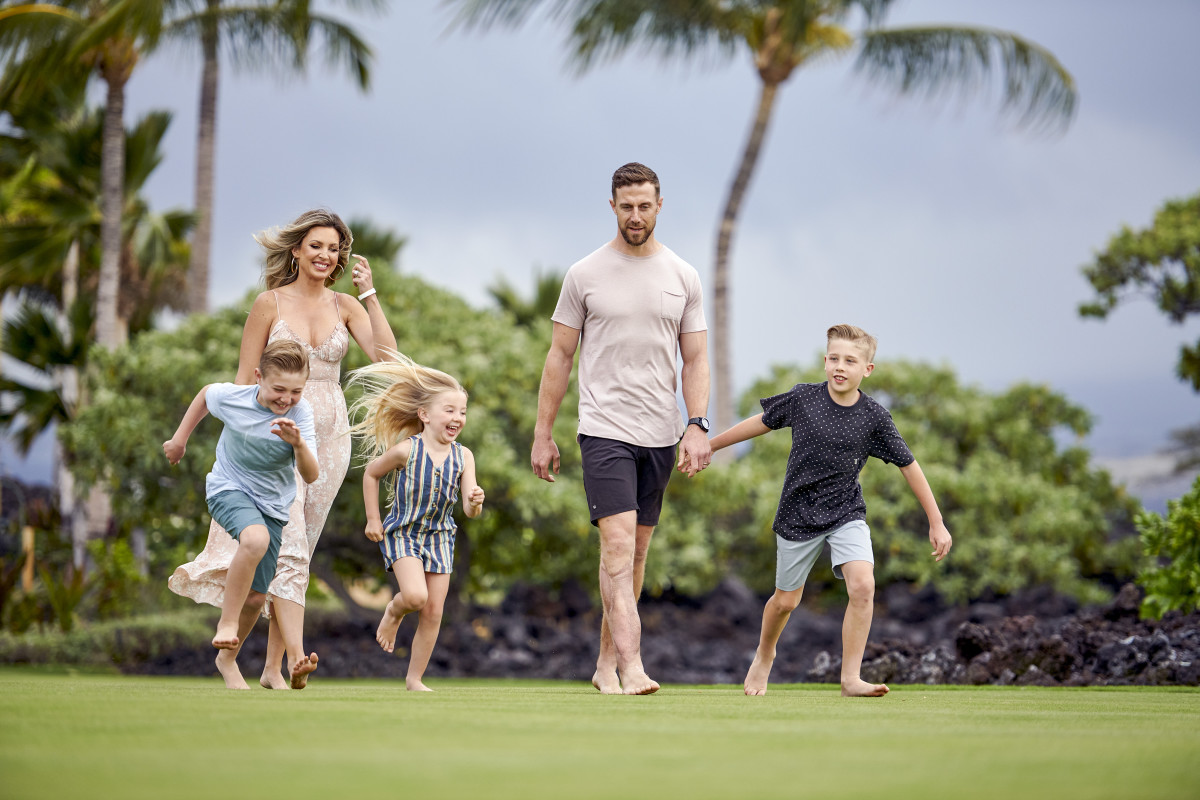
x: 631, y: 308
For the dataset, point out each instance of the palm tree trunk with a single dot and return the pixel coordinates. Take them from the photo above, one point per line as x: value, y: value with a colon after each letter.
x: 198, y: 270
x: 723, y: 372
x: 112, y: 191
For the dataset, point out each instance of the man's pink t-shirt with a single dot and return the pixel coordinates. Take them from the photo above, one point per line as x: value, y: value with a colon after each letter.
x: 630, y: 312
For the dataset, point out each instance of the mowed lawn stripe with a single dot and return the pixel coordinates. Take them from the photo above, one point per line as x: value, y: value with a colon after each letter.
x: 113, y: 736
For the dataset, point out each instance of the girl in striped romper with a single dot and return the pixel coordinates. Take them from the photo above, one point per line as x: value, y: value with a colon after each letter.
x: 411, y: 418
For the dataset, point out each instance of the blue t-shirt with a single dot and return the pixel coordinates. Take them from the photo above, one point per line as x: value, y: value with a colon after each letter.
x: 830, y: 446
x: 250, y: 458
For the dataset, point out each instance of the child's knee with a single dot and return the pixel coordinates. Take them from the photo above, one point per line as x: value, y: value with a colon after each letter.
x: 787, y: 601
x: 256, y: 600
x: 414, y: 599
x: 861, y: 588
x: 255, y: 540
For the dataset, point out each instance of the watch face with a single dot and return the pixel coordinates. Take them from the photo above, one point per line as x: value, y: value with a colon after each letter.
x: 701, y: 421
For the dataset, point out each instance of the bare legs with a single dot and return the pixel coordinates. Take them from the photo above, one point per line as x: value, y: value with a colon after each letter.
x: 623, y: 548
x: 419, y: 591
x: 860, y: 586
x: 240, y: 608
x: 286, y: 634
x: 776, y: 613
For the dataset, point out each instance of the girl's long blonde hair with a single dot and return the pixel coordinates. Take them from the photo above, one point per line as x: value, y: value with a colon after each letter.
x: 393, y: 391
x: 279, y: 243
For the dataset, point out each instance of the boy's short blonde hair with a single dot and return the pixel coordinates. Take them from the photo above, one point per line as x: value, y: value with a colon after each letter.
x: 283, y: 356
x: 852, y: 333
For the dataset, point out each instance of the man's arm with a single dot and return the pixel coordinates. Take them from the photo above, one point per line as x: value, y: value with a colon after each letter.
x: 939, y: 536
x: 556, y: 376
x: 695, y: 452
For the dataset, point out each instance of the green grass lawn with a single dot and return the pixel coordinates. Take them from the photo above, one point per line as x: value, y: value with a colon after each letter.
x: 98, y: 736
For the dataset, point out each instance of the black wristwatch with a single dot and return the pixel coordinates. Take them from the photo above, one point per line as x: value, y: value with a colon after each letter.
x: 701, y: 421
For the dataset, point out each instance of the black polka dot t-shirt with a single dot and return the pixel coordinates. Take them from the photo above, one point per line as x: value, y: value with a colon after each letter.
x: 830, y: 445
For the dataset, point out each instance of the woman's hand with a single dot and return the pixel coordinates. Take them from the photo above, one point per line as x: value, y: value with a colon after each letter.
x: 360, y: 274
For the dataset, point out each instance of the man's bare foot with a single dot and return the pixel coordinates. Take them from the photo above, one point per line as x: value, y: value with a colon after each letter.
x: 756, y: 678
x: 227, y: 666
x: 273, y: 679
x: 301, y: 670
x: 857, y: 687
x: 606, y: 681
x: 226, y: 638
x: 415, y: 685
x: 385, y: 634
x: 638, y: 683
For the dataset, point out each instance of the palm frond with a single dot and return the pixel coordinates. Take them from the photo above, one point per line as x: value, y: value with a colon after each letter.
x: 937, y: 61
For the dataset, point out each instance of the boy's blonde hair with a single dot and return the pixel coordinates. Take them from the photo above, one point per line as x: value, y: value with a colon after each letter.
x: 283, y: 356
x: 852, y: 333
x: 393, y: 391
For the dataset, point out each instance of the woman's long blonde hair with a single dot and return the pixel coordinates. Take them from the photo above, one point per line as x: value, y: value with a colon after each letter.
x: 279, y: 243
x: 393, y: 390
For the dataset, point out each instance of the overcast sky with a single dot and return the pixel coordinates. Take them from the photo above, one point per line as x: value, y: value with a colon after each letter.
x: 952, y: 237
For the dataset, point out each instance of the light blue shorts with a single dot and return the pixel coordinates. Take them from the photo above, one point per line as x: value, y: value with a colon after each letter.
x: 794, y: 560
x: 235, y: 511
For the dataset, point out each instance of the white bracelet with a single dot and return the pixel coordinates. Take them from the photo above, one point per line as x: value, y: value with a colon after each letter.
x: 367, y: 294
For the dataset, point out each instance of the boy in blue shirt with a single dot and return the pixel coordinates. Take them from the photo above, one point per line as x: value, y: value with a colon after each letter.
x: 835, y: 427
x: 268, y: 437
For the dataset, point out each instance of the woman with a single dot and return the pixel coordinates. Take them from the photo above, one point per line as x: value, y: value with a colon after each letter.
x: 303, y: 261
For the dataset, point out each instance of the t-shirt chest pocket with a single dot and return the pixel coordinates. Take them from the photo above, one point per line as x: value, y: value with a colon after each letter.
x: 672, y: 306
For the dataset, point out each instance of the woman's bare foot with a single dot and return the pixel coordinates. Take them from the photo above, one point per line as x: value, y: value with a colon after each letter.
x: 415, y: 685
x: 227, y: 665
x: 606, y: 681
x: 638, y: 683
x: 226, y: 638
x: 273, y: 679
x: 857, y: 687
x: 301, y: 670
x: 758, y: 675
x: 385, y: 634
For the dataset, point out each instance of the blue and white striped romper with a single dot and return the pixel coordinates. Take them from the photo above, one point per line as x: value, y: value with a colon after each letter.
x: 421, y: 520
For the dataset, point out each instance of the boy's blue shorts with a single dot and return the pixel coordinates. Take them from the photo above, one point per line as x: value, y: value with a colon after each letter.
x: 794, y: 560
x: 235, y: 511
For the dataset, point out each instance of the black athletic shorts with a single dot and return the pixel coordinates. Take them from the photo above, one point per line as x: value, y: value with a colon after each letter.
x: 619, y: 477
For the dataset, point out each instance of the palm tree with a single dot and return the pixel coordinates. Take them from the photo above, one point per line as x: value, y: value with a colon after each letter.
x: 257, y: 34
x: 532, y: 311
x: 48, y: 43
x: 781, y: 36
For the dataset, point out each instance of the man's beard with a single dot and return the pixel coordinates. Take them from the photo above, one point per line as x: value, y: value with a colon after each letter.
x: 644, y: 232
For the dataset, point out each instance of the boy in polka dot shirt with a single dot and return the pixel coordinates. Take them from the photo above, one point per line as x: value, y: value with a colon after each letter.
x: 835, y: 427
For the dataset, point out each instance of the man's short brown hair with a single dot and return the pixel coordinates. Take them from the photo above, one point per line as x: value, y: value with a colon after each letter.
x: 283, y: 356
x: 852, y: 333
x: 633, y: 174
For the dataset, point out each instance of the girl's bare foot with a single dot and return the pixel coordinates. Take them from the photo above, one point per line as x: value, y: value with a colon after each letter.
x: 226, y: 638
x: 638, y: 683
x: 385, y: 634
x: 301, y: 670
x: 227, y: 666
x: 758, y: 675
x: 273, y: 679
x: 606, y: 681
x: 416, y: 685
x: 857, y: 687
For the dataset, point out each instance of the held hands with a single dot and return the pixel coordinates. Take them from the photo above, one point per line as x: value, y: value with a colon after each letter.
x: 174, y: 450
x: 695, y: 451
x: 939, y: 537
x: 544, y: 456
x: 374, y: 530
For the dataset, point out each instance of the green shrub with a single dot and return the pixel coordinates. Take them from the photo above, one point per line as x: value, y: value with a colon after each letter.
x: 1171, y: 576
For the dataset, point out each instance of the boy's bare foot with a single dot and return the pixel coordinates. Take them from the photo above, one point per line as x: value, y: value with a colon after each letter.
x: 226, y: 638
x: 273, y: 679
x: 416, y: 686
x: 606, y: 681
x: 639, y: 683
x: 227, y: 666
x: 385, y: 634
x: 857, y: 687
x: 756, y: 678
x: 302, y: 669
